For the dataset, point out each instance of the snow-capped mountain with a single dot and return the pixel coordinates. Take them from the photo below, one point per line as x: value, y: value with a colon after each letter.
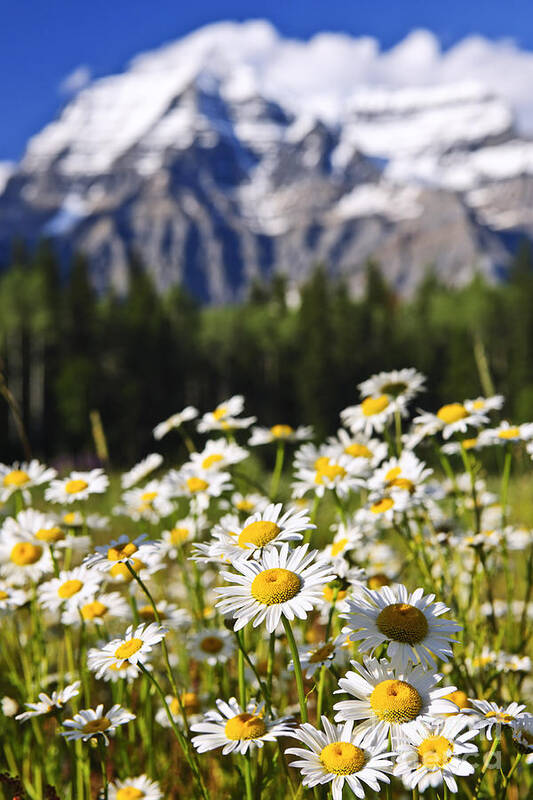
x: 234, y: 153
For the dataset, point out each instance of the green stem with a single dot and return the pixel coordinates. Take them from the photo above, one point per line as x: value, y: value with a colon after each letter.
x: 398, y: 430
x: 278, y: 468
x: 103, y: 767
x: 485, y: 767
x: 340, y: 507
x: 248, y: 777
x: 240, y: 667
x: 505, y: 483
x: 264, y: 689
x: 297, y: 668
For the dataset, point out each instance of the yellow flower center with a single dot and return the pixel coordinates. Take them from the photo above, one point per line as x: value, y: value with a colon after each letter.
x: 327, y: 469
x: 129, y: 648
x: 281, y: 431
x: 393, y: 479
x: 25, y: 553
x: 129, y: 793
x: 274, y: 586
x: 93, y: 610
x: 258, y: 533
x: 509, y: 433
x: 338, y: 547
x: 394, y: 388
x: 147, y: 612
x: 453, y: 412
x: 3, y: 595
x: 500, y: 716
x: 189, y: 701
x: 69, y: 588
x: 402, y: 622
x: 179, y: 535
x: 374, y: 405
x: 210, y: 460
x: 342, y: 758
x: 378, y: 580
x: 50, y: 534
x: 148, y: 498
x: 458, y: 697
x: 468, y: 444
x: 244, y: 505
x: 382, y: 505
x: 357, y: 450
x: 220, y: 412
x: 322, y: 653
x: 197, y: 485
x: 245, y: 726
x: 478, y: 405
x: 121, y: 570
x: 96, y: 725
x: 124, y: 551
x: 76, y: 486
x: 211, y: 644
x: 17, y: 477
x: 329, y: 594
x: 395, y: 701
x: 434, y: 752
x: 70, y: 518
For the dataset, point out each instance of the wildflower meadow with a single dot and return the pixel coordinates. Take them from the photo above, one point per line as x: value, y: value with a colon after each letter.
x: 353, y: 619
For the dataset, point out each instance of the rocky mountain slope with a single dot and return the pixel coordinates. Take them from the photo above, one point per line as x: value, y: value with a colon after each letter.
x: 214, y: 160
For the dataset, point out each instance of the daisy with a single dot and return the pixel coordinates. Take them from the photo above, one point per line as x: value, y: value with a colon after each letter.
x: 50, y: 703
x: 22, y: 558
x: 151, y: 502
x: 21, y: 477
x: 133, y: 647
x: 78, y: 486
x: 449, y: 419
x: 390, y: 700
x: 11, y: 598
x: 320, y: 654
x: 280, y: 583
x: 279, y: 433
x: 97, y: 608
x: 216, y: 455
x: 263, y: 531
x: 319, y: 469
x: 372, y: 414
x: 485, y: 404
x: 225, y: 416
x: 211, y: 645
x: 410, y: 624
x: 506, y: 432
x: 488, y: 715
x: 199, y: 488
x: 42, y: 528
x: 141, y: 470
x: 436, y: 753
x: 141, y: 788
x: 404, y: 474
x: 337, y: 756
x: 383, y: 507
x: 367, y: 452
x: 71, y: 587
x: 128, y: 672
x: 400, y: 383
x: 248, y: 503
x: 235, y: 730
x: 90, y: 723
x: 184, y: 531
x: 175, y: 421
x: 190, y: 703
x: 123, y: 551
x: 173, y: 616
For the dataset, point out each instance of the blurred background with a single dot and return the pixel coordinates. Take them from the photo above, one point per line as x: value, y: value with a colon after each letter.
x: 274, y: 199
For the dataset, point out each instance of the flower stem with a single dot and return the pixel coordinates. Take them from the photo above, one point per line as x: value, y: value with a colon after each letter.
x: 485, y: 767
x: 278, y: 467
x: 297, y: 669
x: 248, y: 777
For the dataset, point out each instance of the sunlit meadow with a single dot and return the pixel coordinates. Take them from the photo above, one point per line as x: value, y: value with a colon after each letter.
x: 355, y: 622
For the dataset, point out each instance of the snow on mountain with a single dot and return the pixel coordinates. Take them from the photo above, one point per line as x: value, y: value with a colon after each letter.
x: 234, y: 152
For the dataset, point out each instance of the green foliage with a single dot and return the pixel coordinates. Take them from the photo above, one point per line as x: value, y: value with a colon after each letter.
x: 138, y: 358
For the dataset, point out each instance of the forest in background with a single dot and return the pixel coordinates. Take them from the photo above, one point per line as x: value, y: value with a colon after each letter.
x: 66, y: 352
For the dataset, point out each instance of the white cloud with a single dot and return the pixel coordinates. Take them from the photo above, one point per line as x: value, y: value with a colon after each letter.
x: 76, y: 80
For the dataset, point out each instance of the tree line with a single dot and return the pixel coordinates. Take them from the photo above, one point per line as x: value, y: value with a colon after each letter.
x: 66, y: 351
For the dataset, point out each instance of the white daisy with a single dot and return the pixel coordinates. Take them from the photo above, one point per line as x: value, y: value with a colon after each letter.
x: 98, y: 608
x: 280, y: 583
x: 449, y: 419
x: 316, y: 656
x: 372, y: 414
x: 22, y: 477
x: 405, y: 383
x: 42, y: 528
x: 436, y: 753
x: 11, y: 598
x: 337, y: 756
x: 50, y: 703
x: 198, y: 488
x: 151, y: 502
x: 78, y: 486
x: 507, y: 432
x: 141, y: 788
x: 248, y: 503
x: 404, y: 474
x: 235, y: 730
x: 22, y: 558
x: 190, y: 702
x: 175, y: 421
x: 71, y: 587
x: 141, y: 470
x: 217, y: 455
x: 410, y: 624
x: 367, y: 452
x: 169, y: 613
x: 485, y: 404
x: 260, y: 532
x: 487, y: 715
x: 384, y: 507
x: 212, y: 646
x: 123, y: 551
x: 125, y: 671
x: 133, y: 647
x: 318, y: 470
x: 90, y: 723
x: 279, y: 433
x: 390, y: 700
x: 225, y: 417
x: 184, y: 530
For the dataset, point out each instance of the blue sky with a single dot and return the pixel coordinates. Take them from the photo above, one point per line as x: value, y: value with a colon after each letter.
x: 43, y: 41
